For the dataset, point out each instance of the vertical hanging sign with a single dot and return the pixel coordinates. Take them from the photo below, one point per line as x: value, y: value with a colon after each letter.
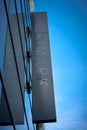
x: 43, y: 104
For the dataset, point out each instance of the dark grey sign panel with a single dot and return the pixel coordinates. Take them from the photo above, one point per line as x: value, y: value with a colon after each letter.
x: 10, y: 76
x: 43, y: 104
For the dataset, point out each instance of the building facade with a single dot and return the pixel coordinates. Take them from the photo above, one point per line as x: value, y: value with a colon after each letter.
x: 16, y: 69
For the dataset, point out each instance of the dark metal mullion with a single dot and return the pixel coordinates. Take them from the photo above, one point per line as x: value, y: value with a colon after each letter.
x: 31, y: 108
x: 24, y: 26
x: 24, y: 29
x: 28, y: 9
x: 30, y: 79
x: 29, y: 59
x: 28, y: 14
x: 30, y: 103
x: 25, y: 12
x: 16, y: 62
x: 20, y: 38
x: 7, y: 102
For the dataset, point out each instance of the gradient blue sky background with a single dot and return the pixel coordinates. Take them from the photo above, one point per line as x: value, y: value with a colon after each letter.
x: 67, y: 21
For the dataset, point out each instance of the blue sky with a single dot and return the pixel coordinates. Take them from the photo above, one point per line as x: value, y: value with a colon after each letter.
x: 67, y: 20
